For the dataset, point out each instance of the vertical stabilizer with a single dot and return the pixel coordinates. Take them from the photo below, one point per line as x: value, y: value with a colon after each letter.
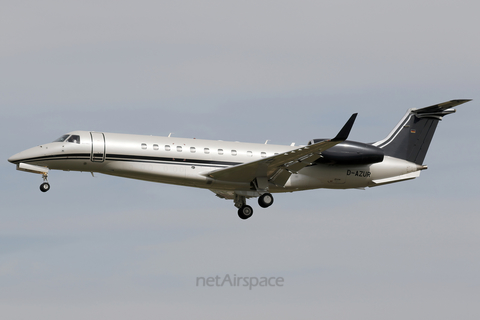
x: 410, y: 139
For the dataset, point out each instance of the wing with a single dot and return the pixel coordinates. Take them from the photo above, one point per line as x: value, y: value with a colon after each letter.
x: 278, y: 168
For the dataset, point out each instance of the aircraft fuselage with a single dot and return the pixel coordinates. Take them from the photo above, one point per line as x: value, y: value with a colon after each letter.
x: 185, y: 162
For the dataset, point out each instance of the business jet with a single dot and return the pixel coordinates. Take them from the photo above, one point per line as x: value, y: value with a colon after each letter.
x: 240, y: 171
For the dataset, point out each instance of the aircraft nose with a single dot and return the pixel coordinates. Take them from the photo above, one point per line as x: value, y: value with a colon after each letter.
x: 15, y: 158
x: 26, y: 154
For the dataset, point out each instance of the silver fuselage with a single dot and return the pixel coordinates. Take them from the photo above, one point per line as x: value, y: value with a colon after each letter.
x: 187, y: 162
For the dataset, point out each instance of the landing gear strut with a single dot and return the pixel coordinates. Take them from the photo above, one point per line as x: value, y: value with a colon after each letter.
x: 45, y: 186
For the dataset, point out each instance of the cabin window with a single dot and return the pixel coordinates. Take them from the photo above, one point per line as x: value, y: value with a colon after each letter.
x: 74, y: 139
x: 220, y: 151
x: 206, y: 150
x: 249, y: 153
x: 167, y: 147
x: 192, y: 150
x: 179, y: 148
x: 275, y: 154
x: 263, y: 154
x: 155, y: 147
x: 234, y: 152
x: 144, y: 146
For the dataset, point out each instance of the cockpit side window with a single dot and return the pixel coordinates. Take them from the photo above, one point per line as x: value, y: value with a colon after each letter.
x: 74, y: 138
x: 62, y: 138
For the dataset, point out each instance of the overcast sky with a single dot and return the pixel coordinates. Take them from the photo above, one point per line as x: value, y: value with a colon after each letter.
x: 287, y: 71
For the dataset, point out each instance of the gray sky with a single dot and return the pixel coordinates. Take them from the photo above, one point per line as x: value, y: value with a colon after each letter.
x: 287, y: 71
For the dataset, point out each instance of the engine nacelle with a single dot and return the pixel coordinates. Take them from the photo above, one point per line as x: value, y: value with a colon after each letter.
x: 350, y: 152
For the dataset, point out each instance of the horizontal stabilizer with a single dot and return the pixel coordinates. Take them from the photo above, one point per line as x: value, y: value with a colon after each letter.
x: 439, y: 110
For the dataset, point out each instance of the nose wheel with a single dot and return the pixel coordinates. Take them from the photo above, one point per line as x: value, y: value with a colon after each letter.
x: 45, y: 186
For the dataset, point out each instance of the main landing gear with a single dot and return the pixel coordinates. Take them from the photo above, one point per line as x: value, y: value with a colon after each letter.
x: 265, y: 200
x: 45, y: 186
x: 245, y: 211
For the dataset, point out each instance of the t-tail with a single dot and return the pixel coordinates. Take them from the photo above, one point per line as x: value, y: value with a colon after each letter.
x: 410, y: 139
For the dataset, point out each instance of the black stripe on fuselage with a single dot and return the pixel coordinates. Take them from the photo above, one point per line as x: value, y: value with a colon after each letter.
x: 134, y: 158
x: 73, y: 156
x: 124, y: 157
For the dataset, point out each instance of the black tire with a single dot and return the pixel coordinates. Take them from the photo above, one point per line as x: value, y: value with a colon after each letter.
x: 245, y: 212
x: 265, y: 200
x: 44, y: 187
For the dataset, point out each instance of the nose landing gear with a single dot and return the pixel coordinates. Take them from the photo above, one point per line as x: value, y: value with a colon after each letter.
x: 45, y: 186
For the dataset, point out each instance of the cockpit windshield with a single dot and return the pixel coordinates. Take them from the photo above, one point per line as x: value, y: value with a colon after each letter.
x: 74, y: 138
x: 69, y: 138
x: 62, y: 138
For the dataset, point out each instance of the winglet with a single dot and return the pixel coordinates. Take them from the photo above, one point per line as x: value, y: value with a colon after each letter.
x: 343, y: 134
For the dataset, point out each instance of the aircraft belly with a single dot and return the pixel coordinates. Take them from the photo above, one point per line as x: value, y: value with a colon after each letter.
x: 69, y: 165
x: 62, y: 164
x: 185, y: 175
x: 391, y: 167
x: 330, y: 177
x: 350, y: 176
x: 145, y: 171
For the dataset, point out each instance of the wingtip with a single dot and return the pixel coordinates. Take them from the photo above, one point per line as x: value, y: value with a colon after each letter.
x: 462, y: 100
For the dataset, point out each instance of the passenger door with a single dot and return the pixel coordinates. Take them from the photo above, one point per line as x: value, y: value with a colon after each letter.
x: 98, y: 147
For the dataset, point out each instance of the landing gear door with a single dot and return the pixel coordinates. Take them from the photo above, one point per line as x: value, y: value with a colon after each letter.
x: 98, y: 147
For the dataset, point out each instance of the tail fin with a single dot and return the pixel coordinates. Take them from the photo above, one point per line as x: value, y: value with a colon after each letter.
x: 410, y: 139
